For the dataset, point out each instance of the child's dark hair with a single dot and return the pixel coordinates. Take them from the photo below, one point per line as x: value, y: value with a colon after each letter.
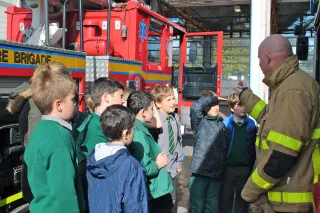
x: 101, y: 86
x: 138, y: 101
x: 207, y: 93
x: 114, y: 120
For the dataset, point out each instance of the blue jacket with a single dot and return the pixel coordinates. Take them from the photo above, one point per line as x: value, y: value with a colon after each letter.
x: 251, y: 136
x: 116, y: 182
x: 210, y: 148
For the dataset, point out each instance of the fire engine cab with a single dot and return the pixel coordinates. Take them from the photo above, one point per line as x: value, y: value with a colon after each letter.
x: 127, y: 41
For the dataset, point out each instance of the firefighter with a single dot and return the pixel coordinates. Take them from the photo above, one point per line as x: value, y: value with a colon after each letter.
x: 288, y: 159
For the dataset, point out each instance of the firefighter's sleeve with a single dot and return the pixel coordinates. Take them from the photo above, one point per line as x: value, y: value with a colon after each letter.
x: 253, y: 104
x: 290, y: 129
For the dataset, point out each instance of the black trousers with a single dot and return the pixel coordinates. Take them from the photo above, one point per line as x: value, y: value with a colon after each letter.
x: 162, y: 204
x: 233, y: 181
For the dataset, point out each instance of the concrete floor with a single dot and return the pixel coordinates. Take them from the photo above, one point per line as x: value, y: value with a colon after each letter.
x: 184, y: 176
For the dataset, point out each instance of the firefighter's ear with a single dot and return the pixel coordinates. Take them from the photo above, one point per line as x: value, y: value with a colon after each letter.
x: 268, y: 58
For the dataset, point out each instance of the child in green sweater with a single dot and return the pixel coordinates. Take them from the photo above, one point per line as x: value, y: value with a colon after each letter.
x: 148, y: 152
x: 104, y: 92
x: 50, y: 155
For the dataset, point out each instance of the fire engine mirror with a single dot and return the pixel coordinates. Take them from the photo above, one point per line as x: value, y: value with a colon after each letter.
x: 193, y: 52
x: 302, y: 48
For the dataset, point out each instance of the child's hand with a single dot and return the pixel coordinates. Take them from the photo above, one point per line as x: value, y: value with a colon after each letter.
x: 161, y: 160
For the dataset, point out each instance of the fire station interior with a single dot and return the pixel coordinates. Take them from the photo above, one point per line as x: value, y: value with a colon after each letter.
x: 291, y: 18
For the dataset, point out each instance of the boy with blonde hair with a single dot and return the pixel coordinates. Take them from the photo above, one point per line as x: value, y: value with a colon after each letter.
x: 169, y: 136
x: 51, y: 154
x: 240, y: 157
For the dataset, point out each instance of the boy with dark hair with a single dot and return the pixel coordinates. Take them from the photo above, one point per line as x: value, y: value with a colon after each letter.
x: 51, y: 155
x: 240, y: 158
x: 111, y: 165
x: 148, y: 152
x: 104, y: 92
x: 169, y: 136
x: 209, y: 153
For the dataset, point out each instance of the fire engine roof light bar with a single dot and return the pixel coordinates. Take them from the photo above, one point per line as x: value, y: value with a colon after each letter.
x: 46, y: 10
x: 108, y: 26
x: 81, y: 25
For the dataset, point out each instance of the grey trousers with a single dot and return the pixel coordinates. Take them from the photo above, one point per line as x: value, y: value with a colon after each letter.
x: 174, y: 194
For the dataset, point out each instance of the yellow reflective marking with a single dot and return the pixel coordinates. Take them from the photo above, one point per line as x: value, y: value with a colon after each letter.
x: 316, y: 164
x: 264, y: 144
x: 284, y: 140
x: 262, y: 183
x: 10, y: 199
x: 290, y: 197
x: 315, y: 134
x: 258, y: 107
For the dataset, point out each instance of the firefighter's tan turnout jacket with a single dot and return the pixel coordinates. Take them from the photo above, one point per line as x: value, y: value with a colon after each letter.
x: 287, y: 145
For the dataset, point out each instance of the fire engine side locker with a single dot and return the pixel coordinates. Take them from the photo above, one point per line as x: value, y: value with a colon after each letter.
x: 128, y: 72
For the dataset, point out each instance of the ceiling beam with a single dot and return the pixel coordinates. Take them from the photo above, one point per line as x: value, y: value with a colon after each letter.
x: 201, y: 3
x: 183, y: 15
x: 196, y: 3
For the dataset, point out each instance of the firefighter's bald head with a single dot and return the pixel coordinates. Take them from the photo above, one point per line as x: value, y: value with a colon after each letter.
x: 273, y: 51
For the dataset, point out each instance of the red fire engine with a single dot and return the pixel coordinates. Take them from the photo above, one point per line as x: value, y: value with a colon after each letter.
x: 141, y: 49
x: 144, y: 49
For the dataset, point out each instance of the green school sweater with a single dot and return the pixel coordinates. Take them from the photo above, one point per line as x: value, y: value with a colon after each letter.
x: 146, y: 150
x: 52, y: 170
x: 239, y: 155
x: 94, y: 135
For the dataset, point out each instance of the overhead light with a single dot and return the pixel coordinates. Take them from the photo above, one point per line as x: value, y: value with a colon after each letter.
x: 237, y: 8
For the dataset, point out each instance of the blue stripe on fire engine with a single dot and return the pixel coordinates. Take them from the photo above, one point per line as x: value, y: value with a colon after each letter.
x: 47, y: 52
x: 22, y: 66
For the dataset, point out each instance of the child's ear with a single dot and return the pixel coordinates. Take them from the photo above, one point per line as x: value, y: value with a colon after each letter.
x: 143, y: 113
x: 125, y: 133
x: 57, y: 105
x: 232, y: 110
x: 157, y: 104
x: 106, y: 97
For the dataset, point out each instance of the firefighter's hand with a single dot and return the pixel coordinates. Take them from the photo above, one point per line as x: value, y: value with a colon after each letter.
x: 241, y: 85
x: 179, y: 170
x: 261, y: 205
